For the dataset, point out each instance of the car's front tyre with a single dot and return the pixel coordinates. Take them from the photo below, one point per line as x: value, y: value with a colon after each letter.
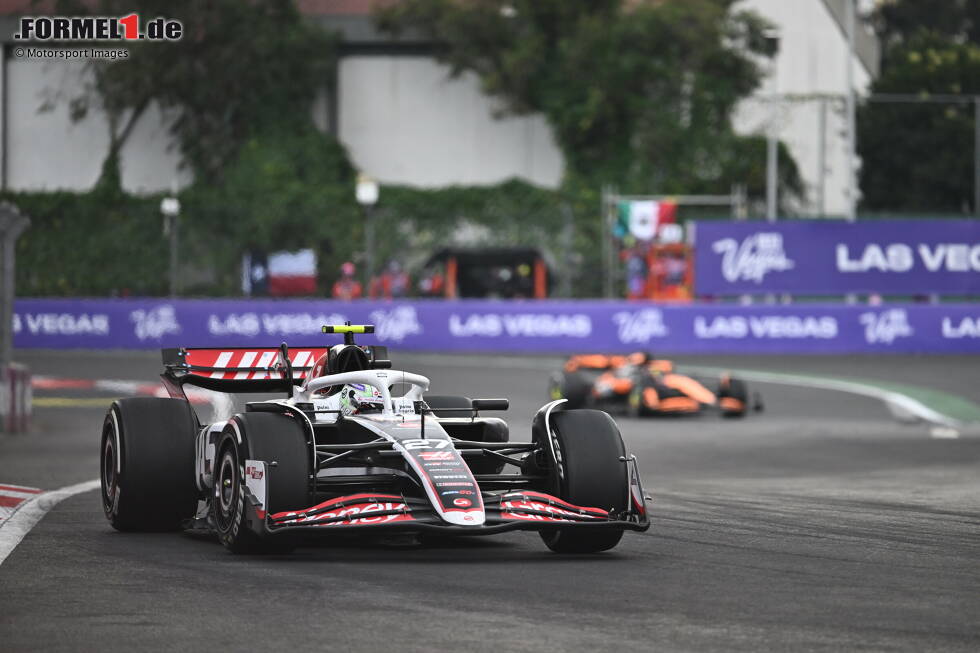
x: 589, y: 471
x: 267, y: 437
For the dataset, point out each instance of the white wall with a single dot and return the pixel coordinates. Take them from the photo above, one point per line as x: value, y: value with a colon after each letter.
x: 811, y: 60
x: 405, y: 121
x: 45, y: 150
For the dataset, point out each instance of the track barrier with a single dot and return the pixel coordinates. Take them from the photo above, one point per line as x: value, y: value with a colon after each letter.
x: 15, y: 398
x: 544, y: 326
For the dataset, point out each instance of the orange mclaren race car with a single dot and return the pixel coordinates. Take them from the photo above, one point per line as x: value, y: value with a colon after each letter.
x: 644, y: 385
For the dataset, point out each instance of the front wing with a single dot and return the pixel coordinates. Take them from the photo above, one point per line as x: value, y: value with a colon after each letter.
x: 519, y: 510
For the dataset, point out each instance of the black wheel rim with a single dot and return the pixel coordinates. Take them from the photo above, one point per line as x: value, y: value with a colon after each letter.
x: 109, y: 477
x: 226, y: 490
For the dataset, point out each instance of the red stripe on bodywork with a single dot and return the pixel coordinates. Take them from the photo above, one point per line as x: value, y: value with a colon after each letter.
x: 10, y: 502
x: 542, y: 495
x: 364, y: 498
x: 209, y: 357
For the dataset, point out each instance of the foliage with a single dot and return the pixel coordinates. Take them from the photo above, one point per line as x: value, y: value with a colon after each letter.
x: 287, y: 189
x: 240, y: 68
x: 918, y: 156
x: 90, y: 244
x: 899, y: 20
x: 639, y: 94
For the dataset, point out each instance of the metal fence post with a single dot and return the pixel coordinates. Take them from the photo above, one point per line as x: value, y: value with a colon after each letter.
x: 12, y: 224
x: 15, y: 391
x: 607, y: 249
x: 852, y: 190
x: 976, y: 154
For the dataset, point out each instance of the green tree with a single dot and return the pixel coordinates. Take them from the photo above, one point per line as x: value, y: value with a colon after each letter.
x: 288, y: 188
x: 896, y: 21
x: 919, y: 156
x: 639, y: 94
x: 240, y: 67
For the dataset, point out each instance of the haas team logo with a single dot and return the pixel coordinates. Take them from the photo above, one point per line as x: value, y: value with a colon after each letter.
x: 885, y: 326
x: 396, y: 324
x: 640, y: 326
x: 155, y: 323
x: 756, y: 256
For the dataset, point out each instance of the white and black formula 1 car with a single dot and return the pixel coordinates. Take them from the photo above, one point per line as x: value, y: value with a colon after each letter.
x: 342, y: 454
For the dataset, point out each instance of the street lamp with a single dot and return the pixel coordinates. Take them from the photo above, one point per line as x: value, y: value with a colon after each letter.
x: 772, y: 142
x: 851, y: 182
x: 170, y: 208
x: 367, y: 196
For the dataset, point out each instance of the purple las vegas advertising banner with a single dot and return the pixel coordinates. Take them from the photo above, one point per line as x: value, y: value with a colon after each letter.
x: 500, y: 326
x: 823, y: 257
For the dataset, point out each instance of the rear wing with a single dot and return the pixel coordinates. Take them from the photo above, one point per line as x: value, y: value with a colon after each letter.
x: 246, y: 369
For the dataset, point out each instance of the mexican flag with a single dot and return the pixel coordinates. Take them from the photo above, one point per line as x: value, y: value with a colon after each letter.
x: 642, y: 218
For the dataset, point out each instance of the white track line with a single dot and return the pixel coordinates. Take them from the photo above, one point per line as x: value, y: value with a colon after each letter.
x: 30, y: 512
x: 902, y: 406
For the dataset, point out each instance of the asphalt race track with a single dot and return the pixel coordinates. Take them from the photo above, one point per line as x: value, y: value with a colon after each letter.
x: 820, y: 524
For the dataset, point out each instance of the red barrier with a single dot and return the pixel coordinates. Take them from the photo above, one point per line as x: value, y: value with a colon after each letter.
x: 15, y: 398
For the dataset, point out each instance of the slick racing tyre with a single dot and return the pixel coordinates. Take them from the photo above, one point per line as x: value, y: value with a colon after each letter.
x: 733, y: 397
x: 268, y: 437
x: 147, y: 464
x: 589, y: 473
x: 573, y: 386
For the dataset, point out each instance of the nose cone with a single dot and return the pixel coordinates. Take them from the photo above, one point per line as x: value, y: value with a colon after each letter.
x: 465, y: 517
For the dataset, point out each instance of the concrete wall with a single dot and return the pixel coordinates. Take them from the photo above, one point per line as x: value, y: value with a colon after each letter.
x: 45, y: 150
x: 405, y: 121
x: 811, y: 62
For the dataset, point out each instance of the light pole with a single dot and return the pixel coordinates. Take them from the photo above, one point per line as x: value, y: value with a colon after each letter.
x: 12, y: 224
x: 772, y: 142
x: 851, y: 120
x: 170, y: 208
x: 367, y: 196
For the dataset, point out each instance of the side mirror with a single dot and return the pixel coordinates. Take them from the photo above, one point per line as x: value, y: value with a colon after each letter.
x: 491, y: 404
x: 381, y: 364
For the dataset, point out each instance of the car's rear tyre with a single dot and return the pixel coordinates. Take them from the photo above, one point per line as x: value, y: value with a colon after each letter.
x: 590, y: 472
x: 574, y: 387
x: 268, y: 437
x: 147, y: 464
x: 733, y: 397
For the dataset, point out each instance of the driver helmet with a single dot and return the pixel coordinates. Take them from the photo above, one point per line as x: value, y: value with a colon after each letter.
x: 640, y: 358
x: 359, y: 399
